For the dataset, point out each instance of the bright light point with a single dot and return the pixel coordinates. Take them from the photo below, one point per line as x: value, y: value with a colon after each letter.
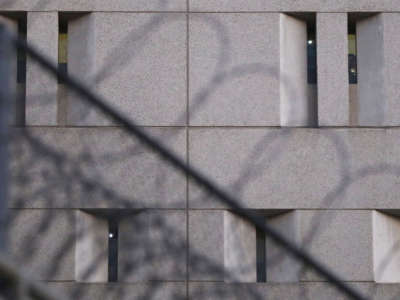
x: 110, y: 235
x: 310, y: 42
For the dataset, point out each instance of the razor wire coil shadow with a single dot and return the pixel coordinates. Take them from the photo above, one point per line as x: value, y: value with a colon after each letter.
x: 181, y: 165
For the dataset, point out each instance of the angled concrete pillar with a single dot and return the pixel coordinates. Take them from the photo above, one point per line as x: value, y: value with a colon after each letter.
x: 386, y: 247
x: 298, y: 105
x: 12, y: 25
x: 333, y: 78
x: 281, y: 267
x: 91, y: 249
x: 370, y: 64
x: 81, y: 64
x: 41, y: 87
x: 239, y: 249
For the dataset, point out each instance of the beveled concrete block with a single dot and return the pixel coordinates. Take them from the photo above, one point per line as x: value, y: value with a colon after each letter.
x: 94, y: 168
x: 43, y: 242
x: 81, y: 64
x: 298, y: 168
x: 206, y: 245
x: 41, y: 87
x: 152, y: 246
x: 340, y: 239
x: 378, y: 44
x: 234, y: 69
x: 371, y: 68
x: 333, y: 78
x: 386, y: 242
x: 91, y: 248
x: 239, y: 249
x: 298, y: 105
x: 281, y: 267
x: 140, y: 67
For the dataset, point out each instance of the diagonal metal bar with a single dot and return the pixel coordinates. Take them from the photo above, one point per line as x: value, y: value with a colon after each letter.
x: 221, y: 195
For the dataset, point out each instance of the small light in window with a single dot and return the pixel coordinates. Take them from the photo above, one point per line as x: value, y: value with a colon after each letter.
x: 110, y: 235
x: 310, y: 42
x: 352, y: 70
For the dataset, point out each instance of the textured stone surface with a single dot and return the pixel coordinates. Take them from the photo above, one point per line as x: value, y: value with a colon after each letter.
x: 152, y: 246
x: 333, y: 78
x: 234, y: 69
x: 280, y: 266
x: 206, y: 245
x: 41, y: 87
x: 81, y: 64
x: 11, y: 24
x: 386, y: 230
x: 371, y: 68
x: 299, y: 168
x: 43, y: 242
x: 93, y: 168
x: 340, y: 239
x: 140, y: 67
x: 273, y: 291
x: 91, y: 248
x: 293, y: 5
x: 298, y: 107
x: 94, y: 5
x: 122, y: 291
x: 239, y: 249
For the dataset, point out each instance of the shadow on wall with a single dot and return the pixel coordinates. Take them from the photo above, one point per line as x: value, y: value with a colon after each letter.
x: 65, y: 180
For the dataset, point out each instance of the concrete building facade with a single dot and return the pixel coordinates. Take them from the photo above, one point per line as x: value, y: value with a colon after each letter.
x: 292, y: 106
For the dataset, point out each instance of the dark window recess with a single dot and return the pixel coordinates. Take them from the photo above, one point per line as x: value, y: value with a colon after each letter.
x: 62, y: 47
x: 21, y: 74
x: 113, y: 250
x: 21, y: 55
x: 311, y: 54
x: 261, y: 256
x: 352, y: 41
x: 352, y: 59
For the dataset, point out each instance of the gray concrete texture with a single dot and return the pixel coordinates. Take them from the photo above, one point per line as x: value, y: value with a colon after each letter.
x: 43, y: 242
x: 94, y: 168
x: 342, y: 240
x: 12, y: 25
x: 152, y: 246
x: 293, y: 5
x: 94, y: 5
x: 202, y: 5
x: 378, y: 45
x: 333, y: 78
x: 41, y: 87
x: 122, y: 291
x: 136, y: 61
x: 298, y: 106
x: 274, y: 291
x: 234, y: 75
x: 91, y: 248
x: 298, y: 168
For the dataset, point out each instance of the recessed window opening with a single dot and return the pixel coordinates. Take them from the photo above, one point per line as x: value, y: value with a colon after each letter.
x: 63, y: 20
x: 261, y: 257
x: 112, y: 250
x: 62, y: 46
x: 311, y: 52
x: 21, y: 73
